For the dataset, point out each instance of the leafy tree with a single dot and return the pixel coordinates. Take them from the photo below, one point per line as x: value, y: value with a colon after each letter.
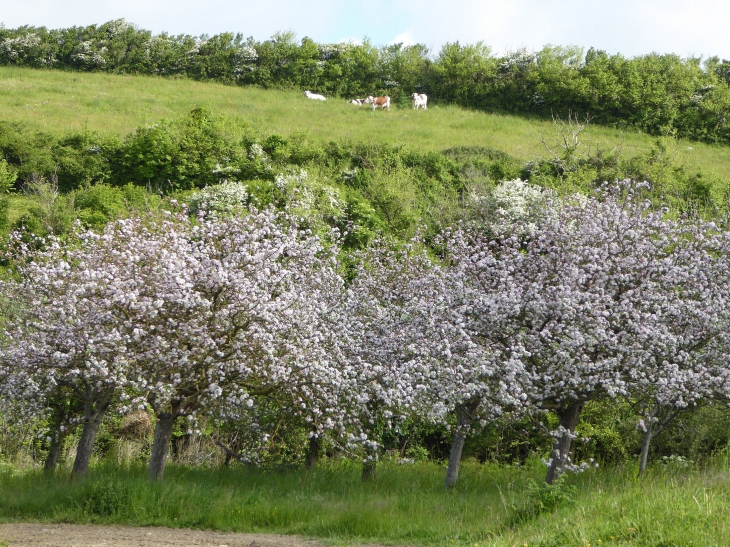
x: 558, y: 83
x: 464, y: 75
x: 275, y: 59
x: 403, y: 69
x: 356, y: 73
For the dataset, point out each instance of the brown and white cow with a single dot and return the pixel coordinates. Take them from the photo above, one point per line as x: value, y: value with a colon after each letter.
x: 420, y: 100
x: 382, y: 102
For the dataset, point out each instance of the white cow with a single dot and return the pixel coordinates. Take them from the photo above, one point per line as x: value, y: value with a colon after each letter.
x: 382, y: 102
x: 358, y: 102
x: 420, y: 100
x: 314, y: 96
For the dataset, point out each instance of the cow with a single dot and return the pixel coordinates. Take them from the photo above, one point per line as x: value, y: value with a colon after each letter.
x: 419, y: 100
x: 358, y: 102
x: 382, y: 102
x: 314, y: 96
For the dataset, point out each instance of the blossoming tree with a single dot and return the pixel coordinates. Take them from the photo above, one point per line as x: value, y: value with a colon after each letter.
x: 190, y: 316
x: 377, y: 341
x: 407, y: 333
x: 684, y: 338
x: 569, y: 301
x: 64, y: 336
x: 230, y: 309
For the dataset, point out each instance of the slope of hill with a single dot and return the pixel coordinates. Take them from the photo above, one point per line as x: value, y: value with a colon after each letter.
x: 660, y: 94
x: 56, y: 102
x: 90, y: 145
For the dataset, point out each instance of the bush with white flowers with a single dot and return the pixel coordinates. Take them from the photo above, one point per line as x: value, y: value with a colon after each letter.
x: 513, y: 205
x: 226, y: 198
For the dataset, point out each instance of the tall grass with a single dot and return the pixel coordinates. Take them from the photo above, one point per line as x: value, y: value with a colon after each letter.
x: 407, y: 504
x: 57, y: 102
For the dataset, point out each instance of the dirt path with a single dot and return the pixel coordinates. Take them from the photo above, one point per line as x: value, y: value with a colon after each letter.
x: 79, y: 535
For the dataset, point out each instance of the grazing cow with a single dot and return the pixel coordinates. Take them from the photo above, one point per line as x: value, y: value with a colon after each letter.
x: 358, y: 102
x: 314, y: 96
x: 419, y: 100
x: 382, y: 102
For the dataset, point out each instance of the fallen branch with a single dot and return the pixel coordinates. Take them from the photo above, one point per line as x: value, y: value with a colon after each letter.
x: 230, y: 454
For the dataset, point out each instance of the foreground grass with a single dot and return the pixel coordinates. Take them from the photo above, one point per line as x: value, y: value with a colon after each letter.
x: 491, y: 505
x: 57, y: 102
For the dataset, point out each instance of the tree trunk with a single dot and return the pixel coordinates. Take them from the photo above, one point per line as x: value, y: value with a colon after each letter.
x: 464, y: 415
x: 60, y: 433
x: 645, y: 448
x: 457, y: 447
x: 370, y: 463
x: 161, y: 444
x: 368, y: 470
x: 652, y: 430
x: 312, y: 452
x: 560, y: 456
x: 92, y: 421
x: 54, y: 453
x: 64, y: 410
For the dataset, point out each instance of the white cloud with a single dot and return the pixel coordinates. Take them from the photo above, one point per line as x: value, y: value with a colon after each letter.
x: 631, y: 27
x: 404, y: 38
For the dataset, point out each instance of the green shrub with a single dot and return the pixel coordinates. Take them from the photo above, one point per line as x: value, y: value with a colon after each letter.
x: 29, y: 153
x: 106, y: 498
x: 546, y: 497
x: 82, y: 158
x: 98, y: 204
x: 50, y: 212
x: 480, y: 163
x: 192, y: 152
x: 8, y: 176
x: 138, y: 199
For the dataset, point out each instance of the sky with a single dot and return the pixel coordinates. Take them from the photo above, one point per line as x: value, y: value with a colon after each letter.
x: 689, y: 28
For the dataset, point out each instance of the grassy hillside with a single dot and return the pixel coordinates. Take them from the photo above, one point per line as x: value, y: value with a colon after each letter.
x: 57, y: 102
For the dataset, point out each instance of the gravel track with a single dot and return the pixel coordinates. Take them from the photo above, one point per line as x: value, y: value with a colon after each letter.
x: 80, y: 535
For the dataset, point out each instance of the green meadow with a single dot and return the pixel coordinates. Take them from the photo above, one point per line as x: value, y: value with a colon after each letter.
x: 58, y: 102
x: 491, y: 505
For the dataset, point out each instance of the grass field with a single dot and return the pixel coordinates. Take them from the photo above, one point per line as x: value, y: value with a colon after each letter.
x: 57, y: 102
x: 490, y: 506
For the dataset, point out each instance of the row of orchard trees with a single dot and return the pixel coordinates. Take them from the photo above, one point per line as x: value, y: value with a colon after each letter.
x: 659, y: 94
x: 185, y: 317
x: 593, y: 297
